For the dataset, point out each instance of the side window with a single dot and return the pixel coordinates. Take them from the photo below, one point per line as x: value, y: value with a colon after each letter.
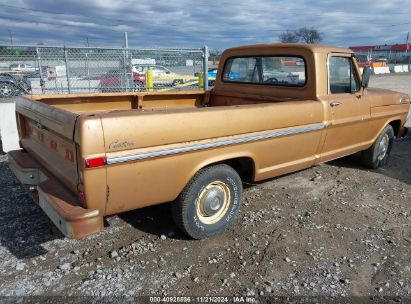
x: 342, y: 76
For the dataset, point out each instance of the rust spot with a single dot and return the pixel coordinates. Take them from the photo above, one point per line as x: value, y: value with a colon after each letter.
x: 70, y: 155
x: 40, y: 136
x: 53, y: 145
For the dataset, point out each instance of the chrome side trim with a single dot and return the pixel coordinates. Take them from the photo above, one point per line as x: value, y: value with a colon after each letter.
x: 215, y: 144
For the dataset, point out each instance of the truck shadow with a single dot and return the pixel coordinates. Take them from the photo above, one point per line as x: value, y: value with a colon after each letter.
x: 398, y: 167
x: 24, y: 228
x: 156, y: 220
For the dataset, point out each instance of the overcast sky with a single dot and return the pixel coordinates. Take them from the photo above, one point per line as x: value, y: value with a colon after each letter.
x: 184, y: 23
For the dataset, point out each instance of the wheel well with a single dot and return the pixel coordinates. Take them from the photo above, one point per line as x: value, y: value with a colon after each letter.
x: 396, y: 125
x: 244, y: 167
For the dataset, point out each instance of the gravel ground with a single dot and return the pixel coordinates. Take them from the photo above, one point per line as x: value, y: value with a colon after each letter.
x: 335, y: 230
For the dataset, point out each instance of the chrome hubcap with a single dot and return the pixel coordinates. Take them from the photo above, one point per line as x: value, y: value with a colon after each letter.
x: 213, y: 202
x: 383, y: 147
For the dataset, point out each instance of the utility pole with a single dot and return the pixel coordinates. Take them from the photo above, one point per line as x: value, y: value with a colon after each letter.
x: 11, y: 37
x: 87, y: 42
x: 406, y: 43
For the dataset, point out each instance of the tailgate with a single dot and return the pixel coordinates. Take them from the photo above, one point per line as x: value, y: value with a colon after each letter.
x: 47, y: 133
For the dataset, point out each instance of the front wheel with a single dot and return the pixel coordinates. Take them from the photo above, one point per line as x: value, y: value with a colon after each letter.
x: 209, y: 202
x: 378, y: 154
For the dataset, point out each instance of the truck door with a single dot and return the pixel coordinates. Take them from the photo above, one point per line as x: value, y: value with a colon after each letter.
x: 348, y: 109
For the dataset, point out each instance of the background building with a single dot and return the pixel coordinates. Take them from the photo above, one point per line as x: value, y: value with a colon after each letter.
x: 395, y: 53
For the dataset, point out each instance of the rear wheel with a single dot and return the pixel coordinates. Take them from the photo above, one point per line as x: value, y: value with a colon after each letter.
x: 8, y: 90
x: 209, y: 202
x: 378, y: 154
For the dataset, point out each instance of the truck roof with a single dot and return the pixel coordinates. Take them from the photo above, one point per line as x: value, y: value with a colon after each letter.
x: 315, y: 48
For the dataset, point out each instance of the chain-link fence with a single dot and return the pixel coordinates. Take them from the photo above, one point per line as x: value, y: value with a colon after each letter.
x: 60, y: 70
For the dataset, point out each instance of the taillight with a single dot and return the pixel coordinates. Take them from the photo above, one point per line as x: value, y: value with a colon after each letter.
x: 96, y: 162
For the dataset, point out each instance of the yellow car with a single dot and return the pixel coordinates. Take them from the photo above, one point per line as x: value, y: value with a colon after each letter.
x: 163, y: 76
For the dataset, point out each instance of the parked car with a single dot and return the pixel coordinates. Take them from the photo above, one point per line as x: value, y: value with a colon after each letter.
x: 92, y: 155
x: 162, y: 76
x: 212, y: 75
x: 12, y: 85
x: 115, y: 81
x: 22, y: 67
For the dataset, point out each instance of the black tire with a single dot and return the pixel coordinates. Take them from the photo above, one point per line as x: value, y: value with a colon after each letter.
x: 374, y: 157
x: 8, y: 90
x: 187, y: 212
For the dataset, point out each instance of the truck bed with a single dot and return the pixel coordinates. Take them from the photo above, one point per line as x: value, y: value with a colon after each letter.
x: 94, y: 103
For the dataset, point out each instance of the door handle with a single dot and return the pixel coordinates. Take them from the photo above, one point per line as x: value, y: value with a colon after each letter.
x: 335, y: 104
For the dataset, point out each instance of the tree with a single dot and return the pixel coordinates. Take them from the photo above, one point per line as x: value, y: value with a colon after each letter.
x: 309, y: 35
x: 289, y: 37
x: 304, y: 34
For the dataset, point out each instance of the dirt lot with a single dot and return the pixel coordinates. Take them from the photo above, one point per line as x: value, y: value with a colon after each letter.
x: 333, y: 230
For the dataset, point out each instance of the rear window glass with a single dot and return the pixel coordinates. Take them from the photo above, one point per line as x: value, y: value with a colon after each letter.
x: 289, y: 71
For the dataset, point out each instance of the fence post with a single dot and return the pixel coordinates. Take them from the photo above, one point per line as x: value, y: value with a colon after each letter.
x: 132, y: 85
x: 42, y: 82
x: 205, y: 66
x: 88, y: 72
x: 126, y: 63
x: 67, y: 70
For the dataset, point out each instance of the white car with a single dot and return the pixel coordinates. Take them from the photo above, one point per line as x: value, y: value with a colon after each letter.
x: 161, y: 75
x: 22, y: 67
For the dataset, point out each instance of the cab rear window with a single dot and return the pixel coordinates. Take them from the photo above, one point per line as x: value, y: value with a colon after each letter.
x: 289, y: 71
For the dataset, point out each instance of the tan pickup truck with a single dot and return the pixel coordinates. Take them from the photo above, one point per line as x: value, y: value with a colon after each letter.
x: 275, y: 109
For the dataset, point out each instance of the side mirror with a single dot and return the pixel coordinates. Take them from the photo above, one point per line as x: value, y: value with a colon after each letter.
x: 366, y: 73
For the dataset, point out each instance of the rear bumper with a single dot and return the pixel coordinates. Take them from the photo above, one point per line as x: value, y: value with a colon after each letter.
x: 61, y: 205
